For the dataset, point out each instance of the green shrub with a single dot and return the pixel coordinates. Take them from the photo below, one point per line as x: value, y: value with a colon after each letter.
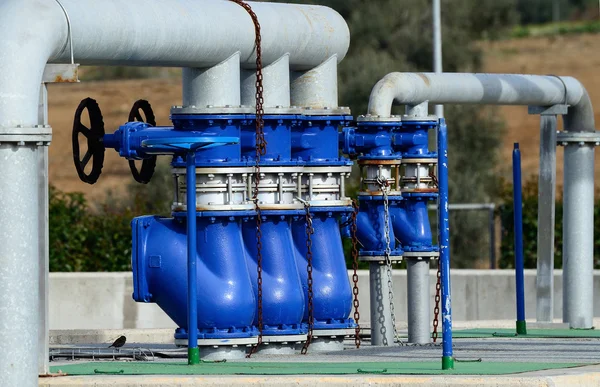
x: 530, y: 211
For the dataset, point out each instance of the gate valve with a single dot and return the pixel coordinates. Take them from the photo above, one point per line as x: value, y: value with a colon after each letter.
x: 144, y: 175
x: 95, y: 144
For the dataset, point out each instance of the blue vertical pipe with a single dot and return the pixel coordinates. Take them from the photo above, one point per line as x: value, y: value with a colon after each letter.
x: 518, y: 225
x: 444, y: 242
x: 193, y: 351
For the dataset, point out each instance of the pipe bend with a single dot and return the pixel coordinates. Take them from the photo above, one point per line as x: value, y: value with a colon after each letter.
x: 491, y: 89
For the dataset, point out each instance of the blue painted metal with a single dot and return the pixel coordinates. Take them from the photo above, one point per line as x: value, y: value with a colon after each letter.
x: 282, y: 296
x: 226, y: 307
x: 370, y: 226
x: 315, y: 141
x: 371, y: 139
x: 412, y: 139
x: 192, y: 317
x: 278, y: 137
x: 332, y: 294
x: 518, y: 223
x: 410, y: 222
x: 444, y: 242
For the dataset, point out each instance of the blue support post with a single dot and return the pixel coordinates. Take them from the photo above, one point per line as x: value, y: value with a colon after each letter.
x: 444, y: 242
x: 193, y: 351
x: 518, y: 224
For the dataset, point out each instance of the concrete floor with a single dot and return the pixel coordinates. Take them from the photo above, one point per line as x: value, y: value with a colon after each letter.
x: 585, y: 351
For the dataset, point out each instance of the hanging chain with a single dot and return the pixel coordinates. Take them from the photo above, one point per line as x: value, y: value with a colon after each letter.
x: 353, y: 229
x: 309, y: 269
x: 384, y: 186
x: 438, y: 285
x: 261, y: 147
x: 436, y: 308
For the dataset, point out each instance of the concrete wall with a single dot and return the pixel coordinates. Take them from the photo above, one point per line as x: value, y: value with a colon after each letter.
x: 103, y: 300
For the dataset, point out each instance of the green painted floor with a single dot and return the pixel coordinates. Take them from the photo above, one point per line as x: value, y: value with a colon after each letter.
x: 251, y: 368
x: 531, y: 333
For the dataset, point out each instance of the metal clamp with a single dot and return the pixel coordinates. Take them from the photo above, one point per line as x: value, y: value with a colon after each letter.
x: 27, y: 134
x: 582, y: 138
x: 555, y: 110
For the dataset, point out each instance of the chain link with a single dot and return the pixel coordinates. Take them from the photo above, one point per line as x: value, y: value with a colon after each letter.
x: 384, y: 186
x: 436, y: 308
x: 309, y: 269
x: 353, y: 229
x: 261, y: 147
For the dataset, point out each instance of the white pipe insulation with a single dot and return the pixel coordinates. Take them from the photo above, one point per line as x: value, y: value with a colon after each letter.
x: 196, y: 34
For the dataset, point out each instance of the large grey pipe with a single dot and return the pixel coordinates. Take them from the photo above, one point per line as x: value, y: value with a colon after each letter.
x: 183, y: 33
x: 537, y: 90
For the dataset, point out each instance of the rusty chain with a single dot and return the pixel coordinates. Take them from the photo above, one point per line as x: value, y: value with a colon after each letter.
x: 353, y: 229
x: 261, y: 147
x: 436, y: 308
x: 309, y: 269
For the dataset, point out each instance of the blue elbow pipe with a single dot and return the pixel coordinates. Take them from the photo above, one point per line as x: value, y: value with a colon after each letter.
x: 332, y: 295
x: 282, y: 296
x: 410, y: 220
x: 225, y: 306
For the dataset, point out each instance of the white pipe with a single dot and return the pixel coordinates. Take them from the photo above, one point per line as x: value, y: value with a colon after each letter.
x: 493, y: 89
x: 437, y: 47
x: 317, y: 87
x: 217, y: 86
x: 276, y: 84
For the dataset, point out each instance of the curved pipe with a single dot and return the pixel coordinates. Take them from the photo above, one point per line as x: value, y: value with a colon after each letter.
x: 493, y: 89
x: 410, y: 220
x: 182, y: 33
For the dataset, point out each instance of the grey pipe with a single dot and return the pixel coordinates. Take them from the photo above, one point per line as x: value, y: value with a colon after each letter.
x: 417, y: 284
x: 276, y: 84
x: 217, y: 86
x: 534, y: 90
x: 382, y: 329
x: 183, y: 33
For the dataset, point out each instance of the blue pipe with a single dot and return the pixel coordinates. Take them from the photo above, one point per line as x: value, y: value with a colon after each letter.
x: 518, y: 224
x: 444, y: 242
x: 193, y: 351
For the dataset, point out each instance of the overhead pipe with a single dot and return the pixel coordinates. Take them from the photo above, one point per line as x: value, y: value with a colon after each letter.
x: 183, y: 33
x: 534, y: 90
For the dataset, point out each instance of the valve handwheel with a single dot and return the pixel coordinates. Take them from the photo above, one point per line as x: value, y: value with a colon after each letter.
x: 95, y: 145
x: 148, y: 165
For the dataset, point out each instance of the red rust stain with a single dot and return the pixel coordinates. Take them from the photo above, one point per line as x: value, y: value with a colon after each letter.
x: 425, y: 79
x: 60, y: 79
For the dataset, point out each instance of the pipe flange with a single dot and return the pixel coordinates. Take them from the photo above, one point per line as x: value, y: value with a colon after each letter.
x: 210, y: 109
x: 26, y: 134
x: 380, y: 258
x: 283, y: 339
x: 582, y: 138
x: 421, y: 255
x: 429, y: 118
x: 225, y: 342
x: 372, y: 118
x: 327, y: 111
x: 333, y: 332
x: 282, y: 110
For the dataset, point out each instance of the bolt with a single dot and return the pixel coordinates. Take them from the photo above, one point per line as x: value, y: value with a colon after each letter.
x: 581, y: 143
x: 564, y: 143
x: 208, y: 106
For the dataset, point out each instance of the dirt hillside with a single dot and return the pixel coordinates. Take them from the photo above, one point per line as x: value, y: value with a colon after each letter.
x: 578, y: 56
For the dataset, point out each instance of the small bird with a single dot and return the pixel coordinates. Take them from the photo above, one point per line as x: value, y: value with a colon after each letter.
x: 119, y: 342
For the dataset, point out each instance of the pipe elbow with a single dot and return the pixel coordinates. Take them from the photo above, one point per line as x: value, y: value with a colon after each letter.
x: 394, y: 86
x: 27, y: 44
x: 410, y: 221
x: 580, y: 117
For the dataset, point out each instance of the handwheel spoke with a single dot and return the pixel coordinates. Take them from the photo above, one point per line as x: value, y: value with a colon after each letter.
x: 84, y: 130
x: 86, y: 158
x: 138, y: 116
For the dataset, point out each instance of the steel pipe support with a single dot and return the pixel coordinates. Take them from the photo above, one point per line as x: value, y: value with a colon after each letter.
x: 215, y: 86
x: 382, y: 330
x: 417, y: 284
x: 276, y: 84
x: 316, y: 88
x: 578, y: 236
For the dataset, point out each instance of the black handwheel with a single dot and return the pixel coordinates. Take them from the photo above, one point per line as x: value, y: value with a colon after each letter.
x: 95, y: 144
x: 144, y: 175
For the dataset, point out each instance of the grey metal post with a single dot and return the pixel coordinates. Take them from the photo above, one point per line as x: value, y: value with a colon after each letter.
x: 43, y: 317
x: 437, y: 47
x: 382, y: 330
x: 417, y: 283
x: 492, y: 226
x: 546, y: 210
x: 578, y: 241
